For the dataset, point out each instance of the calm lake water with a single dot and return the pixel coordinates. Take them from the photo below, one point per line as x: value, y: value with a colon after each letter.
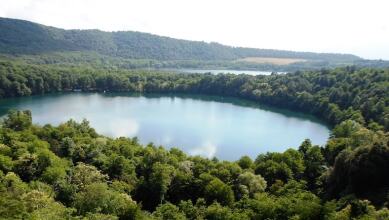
x: 227, y: 128
x: 217, y: 71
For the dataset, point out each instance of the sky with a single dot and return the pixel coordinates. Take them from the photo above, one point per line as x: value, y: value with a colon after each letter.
x: 360, y: 27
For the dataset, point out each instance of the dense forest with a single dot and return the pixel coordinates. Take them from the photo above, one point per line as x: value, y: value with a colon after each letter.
x: 37, y: 44
x: 71, y: 172
x: 96, y: 60
x: 23, y: 37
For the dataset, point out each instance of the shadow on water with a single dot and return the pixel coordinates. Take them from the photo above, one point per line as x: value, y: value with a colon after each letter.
x: 227, y: 100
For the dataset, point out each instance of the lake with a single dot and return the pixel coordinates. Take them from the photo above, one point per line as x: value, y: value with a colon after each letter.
x: 227, y: 128
x: 217, y: 71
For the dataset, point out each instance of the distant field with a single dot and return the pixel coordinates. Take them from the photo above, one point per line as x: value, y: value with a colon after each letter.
x: 272, y: 60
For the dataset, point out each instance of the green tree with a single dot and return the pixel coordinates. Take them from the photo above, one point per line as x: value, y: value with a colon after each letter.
x: 18, y: 120
x: 160, y: 179
x: 218, y: 191
x: 168, y: 211
x: 84, y: 175
x: 98, y: 198
x: 245, y: 162
x: 253, y: 183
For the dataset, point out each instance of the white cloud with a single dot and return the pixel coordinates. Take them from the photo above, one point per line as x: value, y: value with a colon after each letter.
x: 348, y: 26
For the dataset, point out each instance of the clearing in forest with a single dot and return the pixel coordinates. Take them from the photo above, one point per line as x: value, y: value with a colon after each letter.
x: 272, y: 60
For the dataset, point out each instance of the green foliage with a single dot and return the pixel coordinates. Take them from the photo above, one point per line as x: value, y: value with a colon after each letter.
x: 245, y: 162
x: 345, y: 129
x: 6, y: 163
x: 218, y: 212
x: 98, y: 198
x: 168, y: 211
x: 71, y: 172
x: 313, y: 161
x: 18, y: 120
x: 362, y: 171
x: 218, y: 191
x: 160, y: 178
x: 280, y: 166
x: 252, y: 183
x: 84, y: 175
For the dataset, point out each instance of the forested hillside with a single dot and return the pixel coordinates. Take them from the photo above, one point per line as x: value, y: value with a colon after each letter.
x: 71, y: 172
x: 23, y: 37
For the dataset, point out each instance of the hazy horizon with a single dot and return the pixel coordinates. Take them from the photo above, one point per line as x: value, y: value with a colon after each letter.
x: 352, y: 27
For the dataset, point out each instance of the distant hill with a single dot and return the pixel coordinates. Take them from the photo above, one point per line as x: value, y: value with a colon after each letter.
x: 19, y: 37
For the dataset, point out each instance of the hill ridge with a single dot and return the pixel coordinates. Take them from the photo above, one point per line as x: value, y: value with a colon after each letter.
x: 26, y: 37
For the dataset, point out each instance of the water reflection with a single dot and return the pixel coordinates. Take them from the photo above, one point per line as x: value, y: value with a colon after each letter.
x: 207, y: 149
x: 120, y: 127
x: 199, y: 125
